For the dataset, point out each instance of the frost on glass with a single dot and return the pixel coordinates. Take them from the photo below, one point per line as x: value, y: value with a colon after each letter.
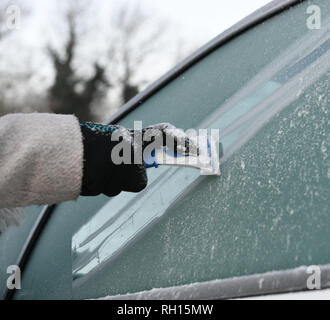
x: 268, y: 211
x: 125, y: 217
x: 129, y: 215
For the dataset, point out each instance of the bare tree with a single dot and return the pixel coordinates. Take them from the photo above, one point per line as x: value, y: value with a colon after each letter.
x: 71, y: 94
x: 133, y: 40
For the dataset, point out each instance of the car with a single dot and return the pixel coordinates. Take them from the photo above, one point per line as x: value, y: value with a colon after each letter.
x: 261, y: 228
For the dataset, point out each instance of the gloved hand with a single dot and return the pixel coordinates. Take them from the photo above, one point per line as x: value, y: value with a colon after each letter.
x: 181, y: 143
x: 102, y: 175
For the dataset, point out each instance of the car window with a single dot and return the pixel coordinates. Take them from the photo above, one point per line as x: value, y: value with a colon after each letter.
x: 12, y: 241
x: 268, y: 93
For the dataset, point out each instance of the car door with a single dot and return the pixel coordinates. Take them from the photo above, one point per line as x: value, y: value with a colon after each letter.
x: 268, y: 94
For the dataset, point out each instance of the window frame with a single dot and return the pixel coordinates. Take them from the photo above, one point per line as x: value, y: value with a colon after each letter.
x: 255, y: 285
x: 261, y: 15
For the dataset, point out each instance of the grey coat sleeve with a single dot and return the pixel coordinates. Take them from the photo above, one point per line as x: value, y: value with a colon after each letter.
x: 41, y: 159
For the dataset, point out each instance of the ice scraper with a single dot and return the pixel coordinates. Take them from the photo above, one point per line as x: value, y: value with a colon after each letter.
x: 205, y: 158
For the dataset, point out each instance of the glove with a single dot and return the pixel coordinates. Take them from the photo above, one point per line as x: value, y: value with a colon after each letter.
x: 169, y: 135
x: 102, y: 175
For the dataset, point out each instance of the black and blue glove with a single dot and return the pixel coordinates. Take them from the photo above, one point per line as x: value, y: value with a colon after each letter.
x: 102, y: 175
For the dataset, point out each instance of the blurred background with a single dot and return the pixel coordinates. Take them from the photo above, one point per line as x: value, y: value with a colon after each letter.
x: 90, y: 57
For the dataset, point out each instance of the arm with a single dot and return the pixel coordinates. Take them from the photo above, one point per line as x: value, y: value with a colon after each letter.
x: 41, y: 159
x: 47, y: 159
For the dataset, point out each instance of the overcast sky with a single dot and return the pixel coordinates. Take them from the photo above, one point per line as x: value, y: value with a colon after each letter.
x: 198, y: 20
x: 191, y: 23
x: 205, y: 19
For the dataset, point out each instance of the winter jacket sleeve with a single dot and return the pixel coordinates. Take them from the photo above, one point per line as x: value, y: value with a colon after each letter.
x: 41, y: 159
